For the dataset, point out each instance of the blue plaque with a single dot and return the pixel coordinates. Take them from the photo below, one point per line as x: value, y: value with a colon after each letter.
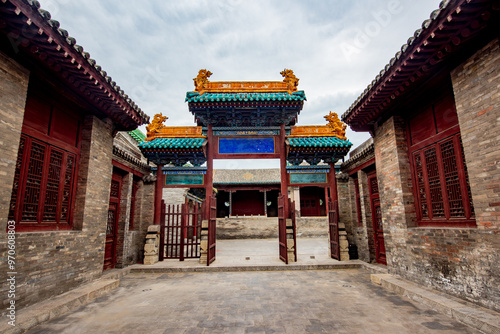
x: 308, y: 178
x: 248, y: 145
x: 183, y: 179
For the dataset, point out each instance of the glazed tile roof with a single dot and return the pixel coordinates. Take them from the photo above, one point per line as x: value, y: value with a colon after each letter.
x: 137, y: 135
x: 163, y: 143
x: 45, y: 42
x: 247, y: 176
x: 319, y: 142
x: 227, y: 97
x: 431, y: 46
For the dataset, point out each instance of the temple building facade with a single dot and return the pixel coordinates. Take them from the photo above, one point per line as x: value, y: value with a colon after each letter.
x: 427, y: 186
x: 75, y: 194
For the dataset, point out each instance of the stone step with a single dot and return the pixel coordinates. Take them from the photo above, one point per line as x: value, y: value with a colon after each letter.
x: 214, y: 268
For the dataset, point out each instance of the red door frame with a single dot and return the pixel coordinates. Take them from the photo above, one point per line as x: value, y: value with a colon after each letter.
x: 378, y: 232
x: 112, y: 238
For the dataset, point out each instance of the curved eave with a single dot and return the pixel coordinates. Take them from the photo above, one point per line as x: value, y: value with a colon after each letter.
x: 194, y: 97
x: 444, y: 34
x: 51, y: 45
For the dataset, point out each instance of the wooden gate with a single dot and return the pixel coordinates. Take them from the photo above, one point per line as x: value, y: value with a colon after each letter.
x: 333, y: 223
x: 282, y: 228
x: 212, y: 221
x: 180, y: 232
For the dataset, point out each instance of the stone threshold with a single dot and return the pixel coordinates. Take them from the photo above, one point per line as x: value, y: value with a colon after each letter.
x: 34, y: 315
x: 165, y: 269
x: 483, y: 319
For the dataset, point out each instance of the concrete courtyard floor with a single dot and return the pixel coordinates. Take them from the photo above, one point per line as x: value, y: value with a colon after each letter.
x: 299, y: 301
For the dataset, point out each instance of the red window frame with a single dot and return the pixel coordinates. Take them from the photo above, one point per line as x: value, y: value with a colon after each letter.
x: 439, y: 173
x: 44, y: 186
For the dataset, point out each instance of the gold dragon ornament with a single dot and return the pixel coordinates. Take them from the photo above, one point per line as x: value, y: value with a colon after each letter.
x: 290, y: 79
x: 156, y: 124
x: 336, y: 125
x: 201, y: 80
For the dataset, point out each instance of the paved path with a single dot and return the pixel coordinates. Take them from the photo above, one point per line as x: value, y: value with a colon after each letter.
x: 321, y: 301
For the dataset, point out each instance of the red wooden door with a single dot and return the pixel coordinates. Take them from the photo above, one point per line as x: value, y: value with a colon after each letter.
x: 378, y: 230
x: 309, y: 205
x: 282, y: 229
x: 212, y: 221
x: 333, y: 225
x: 112, y: 224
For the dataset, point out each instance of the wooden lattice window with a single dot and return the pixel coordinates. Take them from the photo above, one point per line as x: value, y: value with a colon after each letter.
x: 441, y: 184
x: 43, y: 188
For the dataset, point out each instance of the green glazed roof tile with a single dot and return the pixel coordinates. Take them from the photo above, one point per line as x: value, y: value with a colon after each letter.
x: 227, y: 97
x: 137, y: 135
x: 162, y: 143
x: 319, y: 142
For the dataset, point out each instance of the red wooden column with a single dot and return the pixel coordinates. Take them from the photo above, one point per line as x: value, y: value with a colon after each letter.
x: 332, y: 180
x: 160, y: 181
x: 284, y: 176
x: 209, y: 177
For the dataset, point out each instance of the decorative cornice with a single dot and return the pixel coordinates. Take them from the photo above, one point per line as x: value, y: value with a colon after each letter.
x: 128, y: 157
x: 202, y: 85
x: 40, y: 37
x: 442, y: 35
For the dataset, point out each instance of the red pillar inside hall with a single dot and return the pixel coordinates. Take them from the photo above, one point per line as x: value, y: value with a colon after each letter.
x: 160, y: 181
x: 209, y: 177
x: 284, y: 176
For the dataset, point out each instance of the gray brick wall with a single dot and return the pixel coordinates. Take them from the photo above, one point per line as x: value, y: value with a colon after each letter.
x: 50, y: 263
x: 459, y: 261
x: 14, y: 86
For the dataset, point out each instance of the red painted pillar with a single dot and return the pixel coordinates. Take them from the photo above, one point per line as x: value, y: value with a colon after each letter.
x: 209, y: 177
x: 160, y: 181
x: 332, y: 180
x: 284, y: 176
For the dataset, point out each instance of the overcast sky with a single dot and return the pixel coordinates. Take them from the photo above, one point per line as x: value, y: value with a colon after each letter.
x: 154, y: 48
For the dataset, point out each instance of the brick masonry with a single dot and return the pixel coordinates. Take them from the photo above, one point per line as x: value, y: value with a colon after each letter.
x: 50, y: 263
x: 459, y: 261
x: 14, y: 86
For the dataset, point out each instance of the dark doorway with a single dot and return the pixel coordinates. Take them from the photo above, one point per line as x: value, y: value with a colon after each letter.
x: 312, y: 202
x: 247, y: 203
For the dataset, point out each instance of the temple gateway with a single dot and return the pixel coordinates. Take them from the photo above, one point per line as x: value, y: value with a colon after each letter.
x: 249, y: 120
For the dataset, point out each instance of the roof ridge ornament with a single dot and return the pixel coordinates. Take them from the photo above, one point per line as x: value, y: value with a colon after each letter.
x: 156, y: 124
x: 203, y: 85
x: 201, y: 80
x: 290, y: 79
x: 336, y: 125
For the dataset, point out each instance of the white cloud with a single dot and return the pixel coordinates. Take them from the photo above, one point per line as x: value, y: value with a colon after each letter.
x: 153, y: 49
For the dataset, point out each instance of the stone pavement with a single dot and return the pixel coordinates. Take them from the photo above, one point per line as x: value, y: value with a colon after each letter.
x: 320, y: 301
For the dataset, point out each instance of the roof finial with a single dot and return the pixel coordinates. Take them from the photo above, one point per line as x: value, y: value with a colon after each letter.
x: 201, y: 80
x: 336, y: 125
x: 290, y: 79
x: 156, y: 124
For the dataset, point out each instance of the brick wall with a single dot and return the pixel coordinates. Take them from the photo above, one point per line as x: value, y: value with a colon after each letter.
x: 477, y: 98
x: 50, y: 263
x: 396, y: 196
x: 14, y: 87
x: 459, y: 261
